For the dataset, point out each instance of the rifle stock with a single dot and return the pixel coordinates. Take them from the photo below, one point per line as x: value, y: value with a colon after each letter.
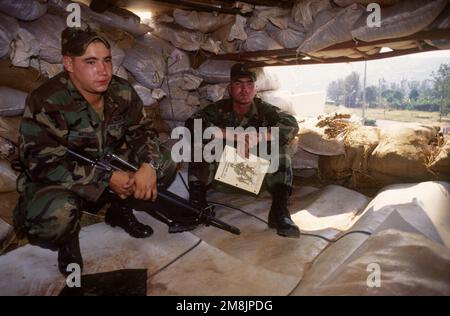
x: 110, y: 161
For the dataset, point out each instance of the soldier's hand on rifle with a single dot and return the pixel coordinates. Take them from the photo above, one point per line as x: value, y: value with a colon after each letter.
x: 121, y: 183
x: 145, y: 183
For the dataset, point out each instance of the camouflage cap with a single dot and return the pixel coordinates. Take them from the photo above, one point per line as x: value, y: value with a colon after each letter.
x: 75, y: 40
x: 240, y: 70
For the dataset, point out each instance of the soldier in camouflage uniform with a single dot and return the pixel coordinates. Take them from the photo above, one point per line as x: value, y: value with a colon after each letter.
x: 244, y: 110
x: 87, y: 110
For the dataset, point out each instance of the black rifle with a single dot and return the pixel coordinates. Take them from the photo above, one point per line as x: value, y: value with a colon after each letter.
x: 111, y: 162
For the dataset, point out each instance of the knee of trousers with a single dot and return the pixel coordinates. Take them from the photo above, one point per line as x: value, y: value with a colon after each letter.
x: 51, y: 216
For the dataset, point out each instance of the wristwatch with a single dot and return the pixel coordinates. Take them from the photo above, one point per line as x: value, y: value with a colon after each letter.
x: 153, y: 164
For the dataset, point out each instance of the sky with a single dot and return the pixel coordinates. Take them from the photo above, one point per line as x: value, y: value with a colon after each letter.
x: 313, y: 78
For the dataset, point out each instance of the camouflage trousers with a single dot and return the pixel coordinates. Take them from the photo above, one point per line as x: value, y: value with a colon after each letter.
x: 205, y: 172
x: 48, y: 215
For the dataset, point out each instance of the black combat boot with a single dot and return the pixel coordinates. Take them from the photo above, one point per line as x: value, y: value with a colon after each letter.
x: 197, y: 194
x: 69, y: 252
x: 279, y: 217
x: 124, y: 218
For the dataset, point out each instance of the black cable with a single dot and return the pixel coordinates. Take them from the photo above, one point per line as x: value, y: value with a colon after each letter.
x: 264, y: 221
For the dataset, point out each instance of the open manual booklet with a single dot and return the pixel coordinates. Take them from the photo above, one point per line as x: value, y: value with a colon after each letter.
x: 244, y: 173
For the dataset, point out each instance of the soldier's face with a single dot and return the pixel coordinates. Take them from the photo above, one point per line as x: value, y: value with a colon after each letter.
x: 242, y: 90
x: 91, y: 72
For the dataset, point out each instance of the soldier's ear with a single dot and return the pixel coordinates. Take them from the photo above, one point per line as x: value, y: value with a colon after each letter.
x: 68, y: 63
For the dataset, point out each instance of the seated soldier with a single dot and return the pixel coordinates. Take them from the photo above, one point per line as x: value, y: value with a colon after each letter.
x: 243, y: 109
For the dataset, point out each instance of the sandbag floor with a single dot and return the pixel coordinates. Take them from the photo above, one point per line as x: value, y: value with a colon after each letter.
x: 404, y: 232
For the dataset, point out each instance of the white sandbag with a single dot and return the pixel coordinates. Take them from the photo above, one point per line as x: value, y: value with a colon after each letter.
x: 305, y: 11
x: 24, y: 47
x: 8, y: 31
x: 47, y: 69
x: 314, y: 140
x: 26, y: 10
x: 215, y: 71
x: 7, y: 177
x: 403, y: 152
x: 146, y: 65
x: 177, y: 59
x: 287, y: 37
x: 47, y: 31
x: 214, y: 92
x: 331, y: 27
x: 179, y: 37
x: 120, y: 72
x: 266, y: 80
x: 179, y: 109
x: 212, y: 46
x: 145, y: 94
x: 12, y: 101
x: 115, y: 17
x: 185, y: 81
x: 402, y: 19
x: 259, y: 40
x: 5, y: 229
x: 262, y: 14
x: 345, y: 3
x: 237, y: 31
x: 277, y: 98
x: 204, y: 22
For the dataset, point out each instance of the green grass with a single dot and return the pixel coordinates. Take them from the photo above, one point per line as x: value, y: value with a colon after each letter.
x: 393, y: 115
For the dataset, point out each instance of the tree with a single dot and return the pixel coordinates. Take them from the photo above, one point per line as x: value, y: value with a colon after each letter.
x: 352, y: 89
x: 442, y: 87
x: 371, y: 95
x: 414, y: 94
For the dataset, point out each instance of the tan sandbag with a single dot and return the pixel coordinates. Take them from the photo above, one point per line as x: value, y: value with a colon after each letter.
x: 404, y: 260
x: 180, y: 37
x: 222, y: 35
x: 352, y: 167
x: 441, y: 164
x: 315, y: 140
x: 304, y: 11
x: 262, y: 15
x: 7, y: 177
x: 289, y: 36
x: 25, y: 79
x: 402, y: 19
x: 403, y: 152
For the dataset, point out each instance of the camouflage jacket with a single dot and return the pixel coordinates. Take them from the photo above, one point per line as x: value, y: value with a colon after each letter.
x: 262, y: 114
x: 58, y: 118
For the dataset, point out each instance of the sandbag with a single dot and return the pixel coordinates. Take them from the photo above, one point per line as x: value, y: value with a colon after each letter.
x: 262, y: 14
x: 331, y: 26
x: 441, y: 22
x: 345, y: 3
x: 179, y: 109
x: 177, y: 60
x: 12, y: 101
x: 47, y: 32
x: 259, y: 40
x: 115, y: 17
x: 8, y: 31
x: 288, y: 37
x: 266, y: 80
x: 146, y: 65
x: 215, y: 71
x: 145, y: 94
x: 402, y: 19
x: 179, y: 37
x: 24, y: 48
x: 26, y: 10
x: 185, y: 81
x: 315, y: 140
x: 223, y: 34
x: 214, y: 92
x: 305, y: 11
x: 7, y: 177
x: 204, y: 22
x: 46, y: 69
x: 403, y: 152
x: 441, y: 163
x: 9, y: 128
x: 351, y: 168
